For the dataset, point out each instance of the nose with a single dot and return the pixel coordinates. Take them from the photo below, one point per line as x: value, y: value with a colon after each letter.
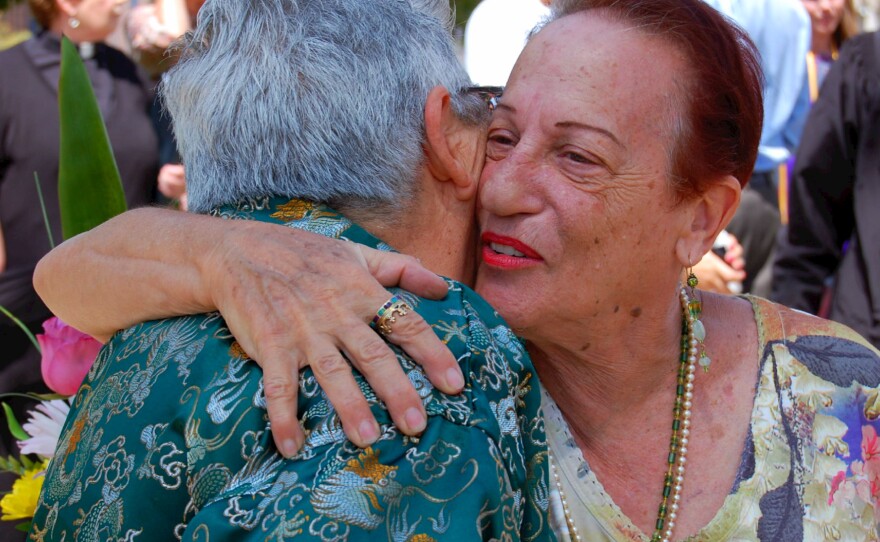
x: 511, y: 186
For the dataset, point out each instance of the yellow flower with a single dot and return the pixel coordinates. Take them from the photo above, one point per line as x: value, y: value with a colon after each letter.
x: 21, y: 503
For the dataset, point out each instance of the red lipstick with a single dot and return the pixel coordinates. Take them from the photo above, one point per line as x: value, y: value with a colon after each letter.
x: 524, y: 255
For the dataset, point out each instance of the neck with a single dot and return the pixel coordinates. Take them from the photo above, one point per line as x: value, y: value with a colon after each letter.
x: 822, y: 45
x: 626, y: 370
x: 437, y: 228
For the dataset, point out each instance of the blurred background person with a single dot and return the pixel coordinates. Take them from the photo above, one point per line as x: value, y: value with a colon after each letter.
x: 496, y: 33
x: 832, y: 22
x: 834, y: 227
x: 29, y: 145
x: 151, y: 28
x: 781, y: 31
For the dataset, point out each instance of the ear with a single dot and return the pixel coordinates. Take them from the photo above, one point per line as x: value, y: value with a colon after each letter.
x: 709, y: 214
x: 67, y: 7
x: 455, y: 151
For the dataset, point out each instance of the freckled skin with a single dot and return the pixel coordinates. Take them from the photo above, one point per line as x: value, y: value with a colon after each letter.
x: 576, y: 169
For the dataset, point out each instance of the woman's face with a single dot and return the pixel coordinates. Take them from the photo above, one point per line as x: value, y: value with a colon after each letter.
x: 98, y: 18
x: 576, y: 215
x: 825, y: 15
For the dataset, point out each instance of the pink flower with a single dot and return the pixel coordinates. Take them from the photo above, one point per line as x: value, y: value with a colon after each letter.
x: 68, y: 355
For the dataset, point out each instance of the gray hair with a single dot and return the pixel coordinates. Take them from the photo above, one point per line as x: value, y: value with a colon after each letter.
x: 315, y: 99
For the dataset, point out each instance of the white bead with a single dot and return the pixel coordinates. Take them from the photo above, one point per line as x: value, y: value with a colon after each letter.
x: 681, y: 469
x: 678, y: 481
x: 683, y: 449
x: 672, y: 516
x: 677, y: 496
x: 669, y: 533
x: 688, y: 395
x: 685, y: 432
x: 699, y: 331
x: 686, y: 422
x: 688, y: 404
x: 692, y: 358
x: 682, y: 460
x: 684, y: 441
x: 675, y: 507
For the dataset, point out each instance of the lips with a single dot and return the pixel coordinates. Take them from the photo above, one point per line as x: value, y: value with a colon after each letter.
x: 507, y: 252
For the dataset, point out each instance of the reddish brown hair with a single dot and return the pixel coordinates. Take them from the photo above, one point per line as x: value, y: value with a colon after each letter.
x: 44, y: 11
x: 721, y: 105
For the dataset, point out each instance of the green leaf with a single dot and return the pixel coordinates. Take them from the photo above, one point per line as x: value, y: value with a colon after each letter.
x: 43, y: 208
x: 13, y: 424
x: 24, y: 527
x: 89, y: 187
x: 26, y: 462
x: 23, y: 327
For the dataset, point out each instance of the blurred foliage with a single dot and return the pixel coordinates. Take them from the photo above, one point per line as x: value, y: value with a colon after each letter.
x: 6, y: 3
x: 463, y: 9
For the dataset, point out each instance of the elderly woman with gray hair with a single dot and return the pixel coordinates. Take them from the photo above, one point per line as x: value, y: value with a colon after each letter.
x: 669, y: 412
x: 282, y: 108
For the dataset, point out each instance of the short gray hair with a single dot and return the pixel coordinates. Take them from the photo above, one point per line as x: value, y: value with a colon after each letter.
x: 315, y: 99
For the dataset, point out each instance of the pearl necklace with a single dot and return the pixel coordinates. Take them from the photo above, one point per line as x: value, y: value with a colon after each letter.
x: 692, y: 351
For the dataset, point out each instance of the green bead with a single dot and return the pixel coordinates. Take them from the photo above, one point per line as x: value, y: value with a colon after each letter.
x: 676, y: 424
x: 660, y: 524
x: 679, y: 390
x: 671, y: 458
x: 667, y: 489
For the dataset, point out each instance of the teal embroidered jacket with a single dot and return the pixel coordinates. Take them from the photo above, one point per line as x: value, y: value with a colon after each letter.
x: 168, y: 437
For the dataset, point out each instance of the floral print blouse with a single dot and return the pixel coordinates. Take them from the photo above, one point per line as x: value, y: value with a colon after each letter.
x: 811, y: 467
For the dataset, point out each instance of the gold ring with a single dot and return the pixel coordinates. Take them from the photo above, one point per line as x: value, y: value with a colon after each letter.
x: 388, y: 313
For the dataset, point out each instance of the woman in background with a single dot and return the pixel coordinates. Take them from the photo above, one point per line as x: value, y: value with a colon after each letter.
x: 832, y: 22
x: 29, y: 147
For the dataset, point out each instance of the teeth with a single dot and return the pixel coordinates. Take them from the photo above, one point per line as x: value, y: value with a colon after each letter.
x: 508, y: 250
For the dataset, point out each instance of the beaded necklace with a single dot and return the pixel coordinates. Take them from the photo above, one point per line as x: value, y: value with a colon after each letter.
x: 693, y: 334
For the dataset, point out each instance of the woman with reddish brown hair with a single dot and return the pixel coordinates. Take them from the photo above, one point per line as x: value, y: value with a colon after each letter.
x: 615, y: 156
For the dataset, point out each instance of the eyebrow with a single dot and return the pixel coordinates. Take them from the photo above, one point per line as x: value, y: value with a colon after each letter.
x: 570, y: 124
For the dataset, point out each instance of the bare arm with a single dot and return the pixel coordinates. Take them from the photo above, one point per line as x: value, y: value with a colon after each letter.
x: 272, y: 287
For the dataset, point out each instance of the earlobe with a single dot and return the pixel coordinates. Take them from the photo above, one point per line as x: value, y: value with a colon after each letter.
x: 711, y: 212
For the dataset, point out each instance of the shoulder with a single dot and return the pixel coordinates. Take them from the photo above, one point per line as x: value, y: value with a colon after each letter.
x: 822, y: 362
x: 779, y: 323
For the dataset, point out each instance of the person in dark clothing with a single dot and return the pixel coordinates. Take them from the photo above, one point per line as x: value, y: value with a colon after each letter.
x: 834, y: 224
x: 29, y: 146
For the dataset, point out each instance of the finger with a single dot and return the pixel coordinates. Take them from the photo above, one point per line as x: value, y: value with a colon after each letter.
x: 281, y: 386
x: 416, y: 337
x: 380, y: 366
x: 392, y: 269
x: 334, y: 375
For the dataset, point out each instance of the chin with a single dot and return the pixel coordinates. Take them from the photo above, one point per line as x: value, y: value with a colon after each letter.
x: 514, y: 303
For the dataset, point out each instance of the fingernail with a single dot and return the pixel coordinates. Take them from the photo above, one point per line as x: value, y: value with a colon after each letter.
x: 368, y: 431
x: 454, y: 379
x: 289, y: 448
x: 414, y: 419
